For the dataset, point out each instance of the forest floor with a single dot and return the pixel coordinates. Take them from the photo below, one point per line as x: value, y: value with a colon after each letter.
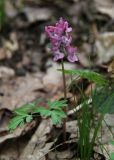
x: 28, y: 72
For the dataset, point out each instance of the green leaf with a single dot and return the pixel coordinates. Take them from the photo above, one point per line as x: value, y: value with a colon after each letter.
x: 21, y: 124
x: 29, y: 118
x: 55, y: 118
x: 15, y: 122
x: 112, y: 156
x: 103, y: 100
x: 90, y: 75
x: 43, y: 111
x: 61, y: 113
x: 24, y: 109
x: 57, y: 104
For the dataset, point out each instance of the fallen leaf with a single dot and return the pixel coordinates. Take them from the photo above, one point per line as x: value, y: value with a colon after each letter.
x: 105, y: 47
x: 37, y: 143
x: 37, y: 14
x: 105, y: 7
x: 6, y: 72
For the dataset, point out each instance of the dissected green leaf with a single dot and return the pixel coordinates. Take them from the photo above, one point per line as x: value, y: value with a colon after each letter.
x: 24, y: 109
x: 90, y: 75
x: 43, y: 111
x: 57, y: 104
x: 103, y: 99
x: 55, y: 118
x: 25, y: 113
x: 15, y: 122
x: 61, y: 113
x: 29, y: 118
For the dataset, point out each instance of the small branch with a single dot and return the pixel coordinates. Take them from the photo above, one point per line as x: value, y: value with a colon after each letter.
x: 77, y: 108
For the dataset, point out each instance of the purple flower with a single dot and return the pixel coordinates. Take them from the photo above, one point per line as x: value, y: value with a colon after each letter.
x: 66, y: 40
x: 61, y: 39
x: 58, y: 55
x: 71, y: 54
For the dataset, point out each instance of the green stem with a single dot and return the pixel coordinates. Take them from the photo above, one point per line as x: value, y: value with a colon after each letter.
x: 64, y: 80
x: 65, y: 97
x: 95, y: 133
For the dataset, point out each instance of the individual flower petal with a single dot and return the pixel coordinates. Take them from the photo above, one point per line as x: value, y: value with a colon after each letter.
x: 69, y: 29
x: 66, y: 40
x: 55, y: 48
x: 49, y: 30
x: 58, y: 55
x: 63, y: 25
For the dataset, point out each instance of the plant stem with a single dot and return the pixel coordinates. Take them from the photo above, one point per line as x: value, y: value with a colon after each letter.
x: 65, y: 97
x: 64, y: 80
x: 96, y: 132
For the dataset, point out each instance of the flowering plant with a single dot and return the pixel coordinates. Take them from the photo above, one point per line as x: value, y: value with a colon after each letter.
x: 102, y: 101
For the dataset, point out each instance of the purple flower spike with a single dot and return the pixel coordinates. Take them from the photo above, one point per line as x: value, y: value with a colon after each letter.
x: 58, y: 55
x: 61, y: 39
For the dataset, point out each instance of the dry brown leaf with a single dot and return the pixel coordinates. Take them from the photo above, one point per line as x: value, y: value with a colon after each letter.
x: 105, y: 47
x: 35, y: 14
x: 3, y: 54
x: 18, y: 132
x: 9, y: 9
x: 35, y: 148
x: 6, y: 72
x: 21, y: 90
x: 105, y: 6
